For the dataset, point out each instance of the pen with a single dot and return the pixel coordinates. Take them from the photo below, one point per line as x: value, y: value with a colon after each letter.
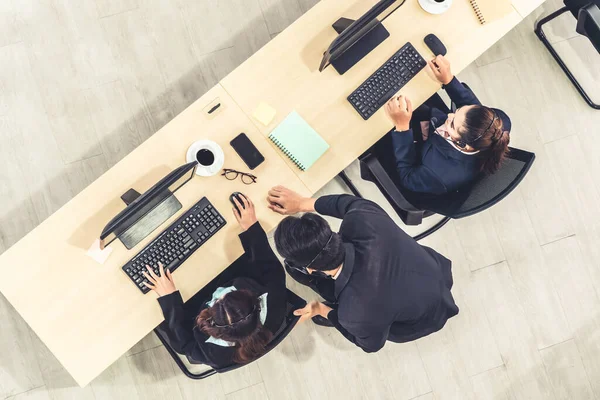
x: 214, y: 108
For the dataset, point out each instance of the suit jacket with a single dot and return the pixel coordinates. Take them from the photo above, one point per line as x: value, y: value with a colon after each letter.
x: 390, y: 287
x: 436, y: 167
x: 262, y: 273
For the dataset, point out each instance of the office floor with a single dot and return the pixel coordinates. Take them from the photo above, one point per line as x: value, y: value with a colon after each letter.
x: 82, y: 83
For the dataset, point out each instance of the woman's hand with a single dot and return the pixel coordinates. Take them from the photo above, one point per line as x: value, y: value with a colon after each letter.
x: 247, y: 215
x: 441, y: 69
x: 399, y: 110
x: 287, y: 202
x: 162, y: 284
x: 311, y: 309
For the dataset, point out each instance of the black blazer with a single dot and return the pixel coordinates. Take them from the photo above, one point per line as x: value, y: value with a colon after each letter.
x: 262, y: 273
x: 390, y: 287
x: 436, y: 167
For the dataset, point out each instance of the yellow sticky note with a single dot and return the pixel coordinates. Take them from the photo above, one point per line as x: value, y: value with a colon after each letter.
x: 264, y: 113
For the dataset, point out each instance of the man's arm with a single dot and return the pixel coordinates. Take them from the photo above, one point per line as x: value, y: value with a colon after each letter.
x: 285, y: 201
x: 339, y: 205
x: 365, y: 337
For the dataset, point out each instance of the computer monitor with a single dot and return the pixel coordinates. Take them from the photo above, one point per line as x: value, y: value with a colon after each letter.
x: 357, y: 30
x: 146, y: 212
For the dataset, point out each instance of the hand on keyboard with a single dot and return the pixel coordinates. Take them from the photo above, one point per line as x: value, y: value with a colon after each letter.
x: 163, y: 283
x: 384, y: 83
x: 399, y: 110
x: 176, y: 243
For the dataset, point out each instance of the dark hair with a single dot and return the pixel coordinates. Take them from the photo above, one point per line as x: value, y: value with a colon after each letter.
x: 300, y: 239
x: 483, y: 129
x: 236, y: 318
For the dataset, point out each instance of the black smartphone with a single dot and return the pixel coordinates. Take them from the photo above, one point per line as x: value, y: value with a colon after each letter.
x: 247, y: 151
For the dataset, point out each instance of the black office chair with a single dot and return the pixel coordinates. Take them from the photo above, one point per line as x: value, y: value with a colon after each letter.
x: 588, y: 24
x: 294, y: 302
x: 483, y: 194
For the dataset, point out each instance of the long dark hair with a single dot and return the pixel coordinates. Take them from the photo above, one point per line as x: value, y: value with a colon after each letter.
x: 307, y: 238
x: 484, y: 130
x: 236, y: 318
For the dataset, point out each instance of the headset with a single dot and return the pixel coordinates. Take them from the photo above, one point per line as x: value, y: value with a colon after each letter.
x: 213, y: 323
x: 460, y: 142
x: 304, y: 269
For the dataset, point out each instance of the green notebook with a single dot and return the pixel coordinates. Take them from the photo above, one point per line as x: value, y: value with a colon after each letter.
x: 301, y: 143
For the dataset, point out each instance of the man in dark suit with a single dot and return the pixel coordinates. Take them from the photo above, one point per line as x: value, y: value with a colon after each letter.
x: 380, y: 283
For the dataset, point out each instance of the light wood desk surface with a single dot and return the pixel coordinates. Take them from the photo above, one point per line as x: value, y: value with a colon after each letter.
x: 284, y: 73
x: 90, y: 314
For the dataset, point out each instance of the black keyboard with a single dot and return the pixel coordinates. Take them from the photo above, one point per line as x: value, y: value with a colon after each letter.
x: 387, y: 81
x: 173, y: 246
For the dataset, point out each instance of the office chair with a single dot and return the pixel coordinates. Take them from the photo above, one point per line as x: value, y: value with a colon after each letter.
x: 186, y: 365
x: 588, y: 24
x: 483, y: 194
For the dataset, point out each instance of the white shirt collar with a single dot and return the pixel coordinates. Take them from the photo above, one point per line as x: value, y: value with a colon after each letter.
x: 338, y: 272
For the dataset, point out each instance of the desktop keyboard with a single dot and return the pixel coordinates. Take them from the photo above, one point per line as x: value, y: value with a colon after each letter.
x: 387, y: 81
x: 176, y: 243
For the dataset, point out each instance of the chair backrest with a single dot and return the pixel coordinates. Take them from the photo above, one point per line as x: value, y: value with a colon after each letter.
x: 482, y: 194
x: 490, y: 189
x: 588, y: 23
x: 294, y: 302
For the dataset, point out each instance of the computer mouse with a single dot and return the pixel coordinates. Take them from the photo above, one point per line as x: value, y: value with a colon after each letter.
x: 237, y: 195
x: 435, y: 45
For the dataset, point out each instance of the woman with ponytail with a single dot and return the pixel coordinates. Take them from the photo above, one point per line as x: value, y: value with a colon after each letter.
x: 236, y: 322
x: 436, y: 151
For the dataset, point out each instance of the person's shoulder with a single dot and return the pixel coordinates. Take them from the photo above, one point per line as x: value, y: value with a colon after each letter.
x: 367, y: 219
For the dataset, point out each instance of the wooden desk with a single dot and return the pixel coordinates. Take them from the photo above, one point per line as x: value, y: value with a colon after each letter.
x: 284, y: 73
x: 90, y: 314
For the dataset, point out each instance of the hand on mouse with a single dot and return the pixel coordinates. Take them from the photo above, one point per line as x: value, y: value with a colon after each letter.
x: 399, y: 110
x: 287, y: 202
x: 441, y: 69
x: 247, y: 215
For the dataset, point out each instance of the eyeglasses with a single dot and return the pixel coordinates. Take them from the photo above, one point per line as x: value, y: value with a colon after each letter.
x: 304, y: 269
x: 232, y: 174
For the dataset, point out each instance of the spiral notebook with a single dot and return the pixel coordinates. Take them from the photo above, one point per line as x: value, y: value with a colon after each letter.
x: 299, y: 141
x: 490, y: 10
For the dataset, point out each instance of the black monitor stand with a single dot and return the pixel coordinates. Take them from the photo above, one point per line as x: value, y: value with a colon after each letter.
x: 361, y: 48
x: 130, y: 196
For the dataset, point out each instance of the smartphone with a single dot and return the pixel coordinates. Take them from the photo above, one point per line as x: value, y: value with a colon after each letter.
x: 247, y: 151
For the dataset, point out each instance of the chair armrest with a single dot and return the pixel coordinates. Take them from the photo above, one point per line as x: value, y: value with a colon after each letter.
x: 409, y: 214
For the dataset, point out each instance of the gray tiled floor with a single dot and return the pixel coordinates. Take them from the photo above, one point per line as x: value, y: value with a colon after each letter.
x: 82, y: 83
